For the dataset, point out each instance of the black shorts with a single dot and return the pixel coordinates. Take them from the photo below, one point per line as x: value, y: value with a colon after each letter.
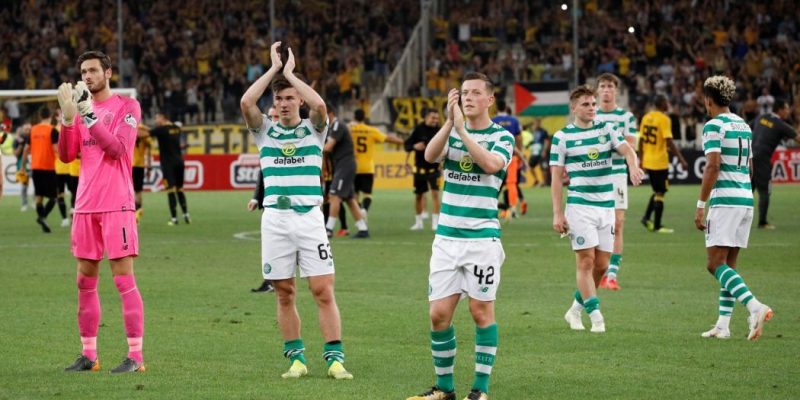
x: 173, y: 175
x: 659, y: 179
x: 342, y: 184
x: 138, y: 179
x: 364, y: 183
x: 44, y: 183
x: 762, y: 173
x: 62, y: 183
x: 534, y: 161
x: 425, y: 179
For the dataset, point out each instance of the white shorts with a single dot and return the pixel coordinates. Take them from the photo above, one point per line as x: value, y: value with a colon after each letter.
x: 728, y: 226
x: 590, y: 227
x: 620, y: 191
x: 289, y: 240
x: 470, y: 267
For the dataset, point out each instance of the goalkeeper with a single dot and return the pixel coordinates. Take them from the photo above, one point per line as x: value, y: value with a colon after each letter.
x: 104, y: 219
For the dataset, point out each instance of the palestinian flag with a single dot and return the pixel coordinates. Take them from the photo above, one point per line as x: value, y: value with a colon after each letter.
x: 541, y: 99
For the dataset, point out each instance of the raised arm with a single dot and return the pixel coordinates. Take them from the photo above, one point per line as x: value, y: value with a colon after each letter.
x: 249, y: 101
x: 69, y: 138
x: 436, y: 148
x: 318, y: 113
x: 489, y: 162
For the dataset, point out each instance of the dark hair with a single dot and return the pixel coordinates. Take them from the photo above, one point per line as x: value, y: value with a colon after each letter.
x: 661, y: 102
x: 580, y: 91
x: 779, y: 104
x: 44, y: 112
x: 105, y: 60
x: 469, y: 76
x: 428, y: 110
x: 608, y: 77
x: 359, y: 115
x: 280, y: 82
x: 501, y: 105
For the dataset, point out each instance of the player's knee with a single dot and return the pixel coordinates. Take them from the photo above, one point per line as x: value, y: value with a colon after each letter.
x: 323, y: 295
x: 481, y: 313
x: 285, y: 293
x: 586, y: 263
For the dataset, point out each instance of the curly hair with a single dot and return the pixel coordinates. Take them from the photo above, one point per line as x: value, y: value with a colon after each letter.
x: 720, y: 89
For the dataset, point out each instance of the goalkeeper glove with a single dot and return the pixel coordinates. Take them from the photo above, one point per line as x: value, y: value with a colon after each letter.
x: 67, y: 104
x: 83, y: 99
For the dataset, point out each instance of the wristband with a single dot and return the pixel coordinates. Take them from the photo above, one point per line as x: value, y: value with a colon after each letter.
x: 701, y: 204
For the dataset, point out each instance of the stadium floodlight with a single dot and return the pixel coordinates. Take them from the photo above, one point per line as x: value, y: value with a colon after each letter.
x: 631, y: 29
x: 564, y: 7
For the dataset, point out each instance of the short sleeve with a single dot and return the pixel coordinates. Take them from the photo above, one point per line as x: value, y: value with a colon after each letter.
x: 558, y: 150
x: 666, y: 128
x: 378, y: 136
x: 260, y: 134
x: 616, y: 134
x: 712, y: 137
x: 504, y: 147
x: 630, y: 126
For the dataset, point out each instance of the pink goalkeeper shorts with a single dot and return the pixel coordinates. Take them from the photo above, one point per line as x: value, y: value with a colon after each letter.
x: 111, y: 232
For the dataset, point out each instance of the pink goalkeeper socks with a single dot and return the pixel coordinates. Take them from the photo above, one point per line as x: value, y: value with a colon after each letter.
x: 88, y: 314
x: 132, y: 314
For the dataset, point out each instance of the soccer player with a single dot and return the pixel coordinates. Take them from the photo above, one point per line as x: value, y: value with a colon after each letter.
x: 292, y: 226
x: 339, y: 148
x: 656, y: 138
x: 74, y: 174
x: 584, y: 149
x: 540, y: 152
x: 22, y: 176
x: 768, y: 132
x: 42, y: 146
x: 168, y: 135
x: 513, y: 194
x: 426, y: 174
x: 727, y: 143
x: 365, y: 138
x: 141, y: 164
x: 467, y: 253
x: 607, y: 88
x: 101, y: 126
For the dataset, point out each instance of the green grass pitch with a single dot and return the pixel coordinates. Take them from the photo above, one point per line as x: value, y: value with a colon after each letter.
x: 207, y: 336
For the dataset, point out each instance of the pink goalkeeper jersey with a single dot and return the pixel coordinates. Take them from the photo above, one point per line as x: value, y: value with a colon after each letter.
x: 106, y: 151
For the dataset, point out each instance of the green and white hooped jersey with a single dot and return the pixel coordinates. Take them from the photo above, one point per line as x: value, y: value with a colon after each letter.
x: 729, y: 135
x: 586, y: 155
x: 291, y: 162
x: 626, y: 123
x: 469, y: 202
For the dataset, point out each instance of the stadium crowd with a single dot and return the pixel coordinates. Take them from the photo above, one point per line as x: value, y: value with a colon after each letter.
x: 671, y: 48
x: 189, y: 60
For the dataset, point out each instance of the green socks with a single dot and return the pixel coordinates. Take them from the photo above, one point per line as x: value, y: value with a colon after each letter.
x: 443, y: 347
x: 613, y: 266
x: 485, y: 351
x: 332, y: 351
x: 293, y: 350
